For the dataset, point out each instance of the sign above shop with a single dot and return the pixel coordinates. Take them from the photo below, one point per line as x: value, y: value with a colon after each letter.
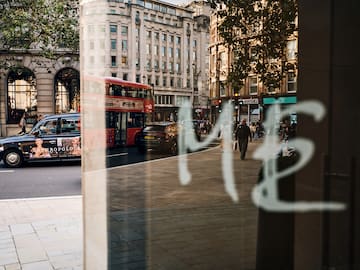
x: 249, y: 101
x: 279, y: 100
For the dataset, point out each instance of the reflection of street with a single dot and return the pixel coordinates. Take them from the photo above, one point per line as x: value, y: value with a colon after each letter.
x: 190, y: 227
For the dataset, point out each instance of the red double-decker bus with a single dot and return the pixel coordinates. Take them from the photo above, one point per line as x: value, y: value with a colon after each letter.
x: 128, y: 106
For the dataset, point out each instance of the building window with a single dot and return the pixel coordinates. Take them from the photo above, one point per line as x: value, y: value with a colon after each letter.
x: 148, y: 49
x: 113, y: 28
x: 113, y: 44
x: 291, y: 82
x: 163, y: 51
x: 253, y: 85
x: 114, y: 75
x: 22, y: 95
x: 171, y: 39
x: 179, y: 83
x: 156, y: 35
x: 164, y: 81
x: 67, y: 91
x: 156, y: 50
x: 171, y: 52
x: 172, y: 81
x: 113, y: 61
x: 148, y: 34
x: 163, y: 37
x: 124, y: 60
x: 124, y: 45
x: 149, y: 80
x: 163, y: 66
x: 156, y: 64
x: 157, y: 80
x: 177, y: 53
x: 124, y: 30
x: 171, y: 67
x: 137, y: 78
x: 125, y: 76
x: 148, y: 64
x: 178, y: 40
x: 291, y: 49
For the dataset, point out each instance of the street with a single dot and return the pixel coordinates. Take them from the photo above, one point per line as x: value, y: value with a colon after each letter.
x: 47, y: 179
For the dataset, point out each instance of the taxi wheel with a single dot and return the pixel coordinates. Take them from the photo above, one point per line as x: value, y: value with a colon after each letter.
x: 173, y: 148
x: 13, y: 158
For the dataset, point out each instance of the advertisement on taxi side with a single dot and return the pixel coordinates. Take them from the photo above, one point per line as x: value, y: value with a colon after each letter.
x: 64, y: 147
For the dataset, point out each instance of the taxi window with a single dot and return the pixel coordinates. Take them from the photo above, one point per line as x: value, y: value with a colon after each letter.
x: 49, y: 127
x: 70, y: 125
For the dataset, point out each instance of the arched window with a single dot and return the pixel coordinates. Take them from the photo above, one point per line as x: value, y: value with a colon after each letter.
x: 21, y: 95
x: 67, y: 91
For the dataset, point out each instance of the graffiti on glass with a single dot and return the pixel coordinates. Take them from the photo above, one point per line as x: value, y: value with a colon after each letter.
x: 264, y: 194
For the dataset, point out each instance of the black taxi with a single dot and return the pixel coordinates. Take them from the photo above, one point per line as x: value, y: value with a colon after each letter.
x: 54, y: 138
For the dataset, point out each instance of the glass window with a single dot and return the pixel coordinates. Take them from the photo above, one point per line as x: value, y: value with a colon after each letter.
x: 148, y: 49
x: 177, y: 53
x: 113, y: 61
x: 164, y: 81
x: 156, y: 49
x: 113, y: 28
x: 124, y: 60
x: 156, y: 35
x: 148, y: 34
x: 253, y: 85
x: 156, y: 6
x: 113, y: 44
x: 291, y: 82
x: 163, y: 37
x: 291, y: 49
x: 22, y: 95
x: 156, y: 64
x: 178, y: 40
x: 124, y: 30
x: 124, y: 45
x: 148, y: 5
x: 171, y: 52
x: 163, y: 51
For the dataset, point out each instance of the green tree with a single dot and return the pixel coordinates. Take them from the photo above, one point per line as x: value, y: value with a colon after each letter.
x: 256, y: 32
x: 47, y: 26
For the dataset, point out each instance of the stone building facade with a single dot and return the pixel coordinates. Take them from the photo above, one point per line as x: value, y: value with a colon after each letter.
x: 34, y: 85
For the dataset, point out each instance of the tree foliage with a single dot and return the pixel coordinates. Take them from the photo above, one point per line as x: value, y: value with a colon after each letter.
x: 44, y: 25
x: 256, y: 31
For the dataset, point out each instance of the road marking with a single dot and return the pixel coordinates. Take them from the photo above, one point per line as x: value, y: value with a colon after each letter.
x: 7, y: 171
x: 115, y: 155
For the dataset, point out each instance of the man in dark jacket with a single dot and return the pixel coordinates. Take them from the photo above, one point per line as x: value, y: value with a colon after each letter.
x: 243, y: 134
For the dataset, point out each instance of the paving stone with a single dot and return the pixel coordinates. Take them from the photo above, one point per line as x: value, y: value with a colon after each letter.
x: 8, y: 257
x: 42, y: 265
x: 18, y: 229
x: 15, y: 266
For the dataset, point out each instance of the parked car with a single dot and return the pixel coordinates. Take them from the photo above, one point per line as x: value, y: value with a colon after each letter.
x: 54, y: 138
x: 159, y: 136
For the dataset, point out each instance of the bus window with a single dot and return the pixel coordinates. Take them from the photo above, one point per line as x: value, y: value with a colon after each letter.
x: 117, y: 90
x: 135, y: 120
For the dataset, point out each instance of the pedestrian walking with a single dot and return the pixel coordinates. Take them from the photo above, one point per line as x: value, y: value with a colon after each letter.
x: 22, y: 124
x: 243, y: 134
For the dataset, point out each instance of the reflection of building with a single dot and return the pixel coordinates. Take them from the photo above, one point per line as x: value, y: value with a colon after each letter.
x: 163, y: 45
x: 249, y: 99
x: 35, y: 85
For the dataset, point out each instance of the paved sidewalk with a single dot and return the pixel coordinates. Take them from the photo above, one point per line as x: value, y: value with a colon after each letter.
x: 41, y: 234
